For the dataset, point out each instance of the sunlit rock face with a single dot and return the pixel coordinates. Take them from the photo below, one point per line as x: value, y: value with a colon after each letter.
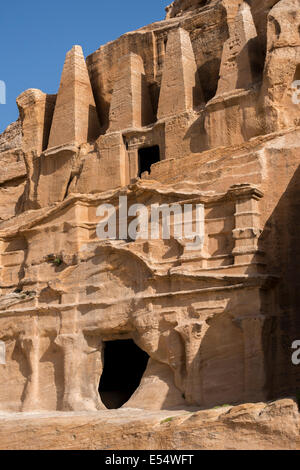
x: 200, y: 109
x: 180, y: 7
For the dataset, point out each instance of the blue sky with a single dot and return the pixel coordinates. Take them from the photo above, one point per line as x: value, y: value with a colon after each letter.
x: 35, y: 36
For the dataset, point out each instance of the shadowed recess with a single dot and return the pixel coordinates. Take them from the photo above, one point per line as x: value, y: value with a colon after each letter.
x: 147, y: 157
x: 124, y: 366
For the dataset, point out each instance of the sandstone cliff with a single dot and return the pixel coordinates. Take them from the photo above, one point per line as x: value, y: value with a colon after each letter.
x: 200, y: 108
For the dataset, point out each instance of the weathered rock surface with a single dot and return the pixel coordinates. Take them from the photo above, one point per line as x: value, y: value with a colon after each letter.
x: 259, y: 426
x: 11, y: 138
x: 13, y: 170
x: 197, y: 109
x: 179, y: 7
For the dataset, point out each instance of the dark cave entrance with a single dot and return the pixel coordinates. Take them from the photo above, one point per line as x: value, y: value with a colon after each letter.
x: 297, y: 73
x: 124, y: 365
x: 147, y: 157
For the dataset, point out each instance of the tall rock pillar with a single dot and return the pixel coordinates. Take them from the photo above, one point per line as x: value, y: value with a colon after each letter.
x: 180, y: 94
x: 131, y: 105
x: 180, y: 88
x: 75, y: 119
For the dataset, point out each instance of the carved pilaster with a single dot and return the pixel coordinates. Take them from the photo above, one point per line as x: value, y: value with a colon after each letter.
x: 93, y: 368
x: 30, y: 345
x: 133, y: 162
x: 254, y: 358
x: 247, y: 224
x: 193, y: 334
x: 71, y: 345
x: 78, y: 396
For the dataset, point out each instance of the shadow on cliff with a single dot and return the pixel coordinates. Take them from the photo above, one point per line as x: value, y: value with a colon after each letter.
x: 197, y: 135
x: 53, y: 356
x: 221, y: 363
x: 251, y: 53
x: 280, y: 240
x: 221, y: 353
x: 209, y: 74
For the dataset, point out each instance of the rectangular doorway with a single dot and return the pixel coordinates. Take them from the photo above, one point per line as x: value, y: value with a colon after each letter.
x: 147, y: 157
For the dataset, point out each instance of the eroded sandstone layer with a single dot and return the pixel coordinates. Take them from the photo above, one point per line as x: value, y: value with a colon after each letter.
x: 258, y: 426
x: 201, y: 108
